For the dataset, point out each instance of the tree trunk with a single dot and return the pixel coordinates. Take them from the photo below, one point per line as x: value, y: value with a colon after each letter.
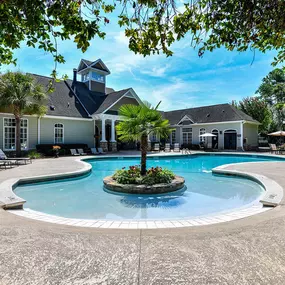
x: 18, y: 135
x: 144, y: 145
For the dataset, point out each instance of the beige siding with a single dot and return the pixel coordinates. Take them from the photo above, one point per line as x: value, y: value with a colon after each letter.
x: 32, y: 130
x: 124, y: 100
x: 75, y: 131
x: 209, y: 128
x: 250, y: 132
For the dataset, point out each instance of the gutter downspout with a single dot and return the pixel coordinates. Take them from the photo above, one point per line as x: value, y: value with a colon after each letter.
x: 39, y: 130
x: 241, y: 134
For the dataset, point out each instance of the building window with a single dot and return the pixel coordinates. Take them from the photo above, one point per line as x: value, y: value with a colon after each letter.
x: 173, y: 136
x: 187, y: 135
x: 98, y: 77
x: 10, y: 134
x: 58, y: 133
x: 153, y: 137
x: 202, y: 131
x: 85, y: 76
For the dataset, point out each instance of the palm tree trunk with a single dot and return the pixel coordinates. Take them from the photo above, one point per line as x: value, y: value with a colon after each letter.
x: 144, y: 145
x: 18, y: 135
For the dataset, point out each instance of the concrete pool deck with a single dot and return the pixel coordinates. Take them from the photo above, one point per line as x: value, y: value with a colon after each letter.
x: 245, y: 251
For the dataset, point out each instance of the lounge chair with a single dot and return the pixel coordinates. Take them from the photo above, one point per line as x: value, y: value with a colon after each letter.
x: 5, y: 164
x: 274, y: 149
x: 176, y: 147
x: 15, y: 160
x: 81, y: 152
x: 94, y: 150
x: 156, y: 147
x: 167, y: 147
x: 101, y: 151
x: 74, y: 152
x: 186, y: 151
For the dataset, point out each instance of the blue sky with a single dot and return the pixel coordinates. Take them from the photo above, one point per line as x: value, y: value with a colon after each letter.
x: 181, y: 81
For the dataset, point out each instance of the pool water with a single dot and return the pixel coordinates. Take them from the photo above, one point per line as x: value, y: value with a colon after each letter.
x: 204, y: 194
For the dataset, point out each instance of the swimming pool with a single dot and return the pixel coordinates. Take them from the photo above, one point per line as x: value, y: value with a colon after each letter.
x: 204, y: 194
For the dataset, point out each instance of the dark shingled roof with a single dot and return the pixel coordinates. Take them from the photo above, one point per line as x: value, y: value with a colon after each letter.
x: 111, y: 99
x: 62, y: 99
x: 80, y: 103
x: 89, y: 63
x: 208, y: 114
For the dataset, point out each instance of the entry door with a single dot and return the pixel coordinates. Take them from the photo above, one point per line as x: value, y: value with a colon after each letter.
x: 230, y: 141
x: 215, y: 140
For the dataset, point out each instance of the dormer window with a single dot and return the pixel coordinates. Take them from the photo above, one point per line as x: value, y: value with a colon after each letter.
x: 98, y: 77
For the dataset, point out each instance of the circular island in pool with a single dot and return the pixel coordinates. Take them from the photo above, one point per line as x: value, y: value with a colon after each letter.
x: 205, y: 194
x: 176, y: 183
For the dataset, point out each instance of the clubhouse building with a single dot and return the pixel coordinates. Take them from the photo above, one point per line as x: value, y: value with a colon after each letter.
x: 84, y: 110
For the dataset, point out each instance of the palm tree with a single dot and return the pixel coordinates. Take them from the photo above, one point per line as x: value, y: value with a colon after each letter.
x: 20, y: 94
x: 138, y: 122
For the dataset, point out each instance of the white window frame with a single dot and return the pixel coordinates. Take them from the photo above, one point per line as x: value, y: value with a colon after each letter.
x: 54, y: 128
x: 187, y: 133
x: 98, y: 74
x: 4, y: 127
x: 201, y: 132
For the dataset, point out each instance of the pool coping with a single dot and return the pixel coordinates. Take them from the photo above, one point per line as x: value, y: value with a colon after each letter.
x: 272, y: 197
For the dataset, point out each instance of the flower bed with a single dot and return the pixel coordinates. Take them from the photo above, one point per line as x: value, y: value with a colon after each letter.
x: 156, y: 180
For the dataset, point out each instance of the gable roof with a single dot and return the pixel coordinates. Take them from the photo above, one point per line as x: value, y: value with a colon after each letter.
x: 111, y: 99
x: 98, y: 64
x: 208, y: 114
x: 62, y: 99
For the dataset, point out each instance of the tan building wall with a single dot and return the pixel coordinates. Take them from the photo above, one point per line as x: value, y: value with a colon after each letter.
x: 250, y: 132
x: 221, y: 127
x: 75, y: 131
x: 32, y: 130
x: 125, y: 100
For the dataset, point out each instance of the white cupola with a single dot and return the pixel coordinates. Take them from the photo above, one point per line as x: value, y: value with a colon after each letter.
x: 93, y: 74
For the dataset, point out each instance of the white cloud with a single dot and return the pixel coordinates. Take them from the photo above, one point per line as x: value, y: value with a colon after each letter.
x: 156, y: 71
x: 121, y: 38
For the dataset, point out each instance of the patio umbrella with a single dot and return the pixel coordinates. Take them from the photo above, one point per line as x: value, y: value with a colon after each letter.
x: 206, y: 135
x: 278, y: 134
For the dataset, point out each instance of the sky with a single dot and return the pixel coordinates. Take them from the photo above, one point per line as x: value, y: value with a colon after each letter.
x: 181, y: 81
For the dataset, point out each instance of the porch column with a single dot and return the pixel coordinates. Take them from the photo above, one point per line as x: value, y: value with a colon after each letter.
x: 113, y: 131
x: 113, y: 138
x: 103, y: 142
x: 103, y: 138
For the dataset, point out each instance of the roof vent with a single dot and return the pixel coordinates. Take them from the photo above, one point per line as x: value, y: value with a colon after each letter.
x: 68, y: 105
x: 208, y: 115
x: 52, y: 108
x: 223, y: 111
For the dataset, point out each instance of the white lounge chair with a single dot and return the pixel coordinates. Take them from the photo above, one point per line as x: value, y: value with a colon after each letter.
x: 167, y: 147
x: 176, y: 147
x: 94, y: 150
x: 81, y: 152
x: 101, y: 151
x: 74, y: 152
x: 15, y: 160
x: 156, y: 147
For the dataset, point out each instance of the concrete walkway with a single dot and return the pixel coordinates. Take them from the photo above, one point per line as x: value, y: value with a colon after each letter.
x: 247, y: 251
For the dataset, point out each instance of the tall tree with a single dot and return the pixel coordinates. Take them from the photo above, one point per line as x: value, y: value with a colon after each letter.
x: 151, y: 26
x: 20, y: 94
x: 138, y: 122
x: 272, y: 89
x: 259, y: 110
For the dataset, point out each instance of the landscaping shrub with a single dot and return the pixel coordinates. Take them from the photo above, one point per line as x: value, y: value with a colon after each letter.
x: 33, y: 154
x: 47, y: 149
x: 154, y: 175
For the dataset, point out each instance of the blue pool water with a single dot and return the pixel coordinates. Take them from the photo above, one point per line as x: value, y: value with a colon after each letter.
x: 205, y: 193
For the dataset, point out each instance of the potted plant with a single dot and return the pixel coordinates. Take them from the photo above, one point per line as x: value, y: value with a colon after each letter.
x: 56, y: 149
